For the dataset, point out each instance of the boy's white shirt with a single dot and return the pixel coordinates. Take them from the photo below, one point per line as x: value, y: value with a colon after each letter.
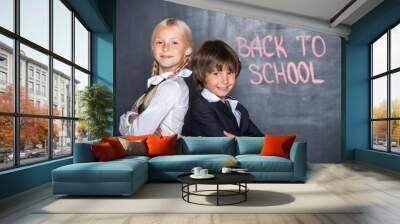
x: 167, y: 109
x: 212, y: 98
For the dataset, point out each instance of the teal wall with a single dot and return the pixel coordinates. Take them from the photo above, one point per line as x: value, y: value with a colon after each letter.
x: 102, y: 61
x: 357, y: 84
x: 24, y: 178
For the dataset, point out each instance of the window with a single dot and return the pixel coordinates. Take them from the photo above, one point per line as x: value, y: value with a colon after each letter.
x: 38, y: 74
x: 3, y: 72
x: 44, y: 91
x: 3, y: 61
x: 54, y: 125
x: 38, y: 89
x: 30, y: 87
x: 30, y: 72
x: 3, y: 78
x: 385, y: 91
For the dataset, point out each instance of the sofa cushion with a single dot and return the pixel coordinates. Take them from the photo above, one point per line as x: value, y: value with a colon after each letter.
x: 185, y: 163
x: 161, y: 145
x: 277, y: 145
x: 206, y: 145
x: 116, y: 145
x: 249, y: 145
x: 134, y: 147
x: 257, y: 163
x: 111, y: 171
x: 103, y: 151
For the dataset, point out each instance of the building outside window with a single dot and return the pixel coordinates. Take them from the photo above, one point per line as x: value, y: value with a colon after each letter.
x: 56, y: 135
x: 385, y: 91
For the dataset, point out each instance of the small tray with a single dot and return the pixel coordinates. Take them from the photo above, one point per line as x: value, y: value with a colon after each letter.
x: 208, y: 176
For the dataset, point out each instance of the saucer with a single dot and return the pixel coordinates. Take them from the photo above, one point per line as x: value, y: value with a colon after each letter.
x: 208, y: 176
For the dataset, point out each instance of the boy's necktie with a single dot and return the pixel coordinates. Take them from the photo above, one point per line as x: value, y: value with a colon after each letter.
x: 226, y: 102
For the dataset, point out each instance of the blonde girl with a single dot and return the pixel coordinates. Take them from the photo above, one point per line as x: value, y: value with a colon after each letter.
x: 162, y: 108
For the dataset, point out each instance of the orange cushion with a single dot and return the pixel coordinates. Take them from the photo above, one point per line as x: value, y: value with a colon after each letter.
x: 277, y: 145
x: 116, y: 145
x: 135, y: 137
x: 103, y: 151
x: 161, y: 145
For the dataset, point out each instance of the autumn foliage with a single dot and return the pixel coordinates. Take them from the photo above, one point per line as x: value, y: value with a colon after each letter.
x: 380, y: 127
x: 33, y: 130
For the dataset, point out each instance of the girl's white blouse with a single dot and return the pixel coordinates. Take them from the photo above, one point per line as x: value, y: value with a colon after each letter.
x: 167, y: 109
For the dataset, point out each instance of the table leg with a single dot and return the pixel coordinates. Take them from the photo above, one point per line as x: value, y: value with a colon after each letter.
x: 217, y: 194
x: 245, y: 193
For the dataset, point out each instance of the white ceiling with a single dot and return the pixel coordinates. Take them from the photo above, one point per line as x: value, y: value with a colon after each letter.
x: 317, y: 15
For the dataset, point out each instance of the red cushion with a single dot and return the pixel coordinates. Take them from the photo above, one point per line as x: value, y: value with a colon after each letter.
x: 277, y: 145
x: 161, y: 145
x: 116, y: 145
x: 103, y: 151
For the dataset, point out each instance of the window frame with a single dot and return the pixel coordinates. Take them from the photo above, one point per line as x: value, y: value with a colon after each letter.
x: 16, y: 114
x: 388, y: 74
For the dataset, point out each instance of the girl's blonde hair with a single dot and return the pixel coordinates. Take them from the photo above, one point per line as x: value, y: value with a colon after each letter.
x: 184, y: 30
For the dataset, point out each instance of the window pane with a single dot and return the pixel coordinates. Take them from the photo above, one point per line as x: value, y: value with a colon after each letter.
x: 395, y: 94
x: 379, y: 100
x: 62, y: 138
x: 6, y: 74
x: 62, y: 29
x: 81, y: 45
x: 81, y: 81
x: 395, y: 47
x: 62, y: 89
x: 33, y: 140
x: 395, y: 136
x: 379, y: 55
x: 6, y: 142
x: 81, y: 131
x: 379, y: 135
x: 35, y: 21
x: 7, y: 14
x: 34, y: 72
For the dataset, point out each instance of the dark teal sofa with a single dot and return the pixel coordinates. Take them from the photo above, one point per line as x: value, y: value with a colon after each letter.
x: 125, y: 176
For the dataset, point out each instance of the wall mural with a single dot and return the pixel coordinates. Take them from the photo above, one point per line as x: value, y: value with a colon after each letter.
x: 290, y: 80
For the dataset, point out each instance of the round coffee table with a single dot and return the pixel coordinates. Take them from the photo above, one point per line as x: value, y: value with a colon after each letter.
x: 238, y: 179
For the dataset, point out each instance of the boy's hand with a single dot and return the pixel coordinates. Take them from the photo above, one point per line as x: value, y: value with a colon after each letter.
x: 227, y: 134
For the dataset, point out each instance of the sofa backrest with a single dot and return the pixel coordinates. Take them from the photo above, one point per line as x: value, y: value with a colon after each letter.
x: 206, y: 145
x: 249, y: 145
x: 83, y: 152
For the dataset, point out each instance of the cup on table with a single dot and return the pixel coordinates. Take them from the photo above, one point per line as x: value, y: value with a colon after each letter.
x: 203, y: 172
x: 226, y: 170
x: 196, y: 171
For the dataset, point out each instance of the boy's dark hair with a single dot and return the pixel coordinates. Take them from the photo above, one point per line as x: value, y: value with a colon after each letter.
x: 214, y: 54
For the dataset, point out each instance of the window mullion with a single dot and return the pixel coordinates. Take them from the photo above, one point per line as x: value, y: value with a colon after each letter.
x: 16, y: 84
x: 50, y: 87
x: 73, y: 82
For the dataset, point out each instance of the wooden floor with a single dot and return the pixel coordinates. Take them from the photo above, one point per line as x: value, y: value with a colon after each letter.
x: 377, y: 188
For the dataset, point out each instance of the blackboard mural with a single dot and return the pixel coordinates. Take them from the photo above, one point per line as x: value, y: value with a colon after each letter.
x: 290, y: 80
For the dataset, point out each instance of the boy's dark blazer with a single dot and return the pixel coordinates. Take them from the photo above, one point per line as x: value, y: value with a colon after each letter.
x: 213, y: 118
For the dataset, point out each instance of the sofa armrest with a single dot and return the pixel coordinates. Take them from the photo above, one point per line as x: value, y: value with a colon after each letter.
x: 83, y: 152
x: 298, y: 155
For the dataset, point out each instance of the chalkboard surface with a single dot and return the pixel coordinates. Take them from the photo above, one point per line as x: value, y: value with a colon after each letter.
x: 290, y: 80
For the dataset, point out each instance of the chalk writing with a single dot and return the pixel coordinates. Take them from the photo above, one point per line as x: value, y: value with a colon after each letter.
x: 272, y: 48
